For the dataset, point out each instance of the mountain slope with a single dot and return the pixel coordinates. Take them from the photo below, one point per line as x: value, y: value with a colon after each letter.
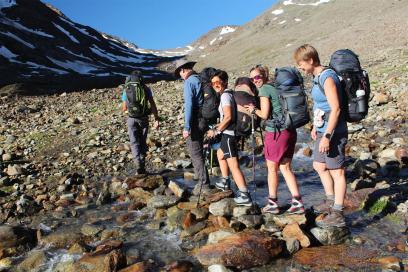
x: 41, y: 45
x: 373, y: 28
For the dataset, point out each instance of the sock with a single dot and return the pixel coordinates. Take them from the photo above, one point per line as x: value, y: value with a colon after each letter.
x: 338, y: 207
x: 298, y: 198
x: 330, y: 197
x: 243, y: 189
x: 225, y: 178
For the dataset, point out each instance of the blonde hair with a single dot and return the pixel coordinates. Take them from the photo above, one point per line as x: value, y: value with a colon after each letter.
x: 263, y: 70
x: 305, y: 53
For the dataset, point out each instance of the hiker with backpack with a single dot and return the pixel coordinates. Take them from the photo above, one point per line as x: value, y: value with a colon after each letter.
x: 138, y: 102
x: 228, y: 152
x: 279, y: 143
x: 193, y: 131
x: 330, y: 133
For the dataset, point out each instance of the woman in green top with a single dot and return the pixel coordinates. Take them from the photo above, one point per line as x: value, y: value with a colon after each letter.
x: 279, y: 145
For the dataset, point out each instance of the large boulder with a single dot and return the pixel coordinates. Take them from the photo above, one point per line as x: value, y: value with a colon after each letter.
x: 330, y: 236
x: 242, y: 250
x: 224, y: 207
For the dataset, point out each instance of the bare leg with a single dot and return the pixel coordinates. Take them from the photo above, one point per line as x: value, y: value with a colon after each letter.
x: 286, y: 170
x: 325, y: 177
x: 273, y: 179
x: 236, y: 173
x: 339, y: 177
x: 223, y: 163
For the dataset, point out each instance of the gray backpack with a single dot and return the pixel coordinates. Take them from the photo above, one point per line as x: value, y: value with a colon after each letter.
x: 293, y: 100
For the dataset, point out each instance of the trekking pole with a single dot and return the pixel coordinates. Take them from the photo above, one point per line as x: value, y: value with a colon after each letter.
x: 253, y: 155
x: 206, y: 151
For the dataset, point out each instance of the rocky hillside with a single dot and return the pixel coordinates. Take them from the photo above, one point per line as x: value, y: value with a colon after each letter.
x: 41, y: 46
x: 375, y: 29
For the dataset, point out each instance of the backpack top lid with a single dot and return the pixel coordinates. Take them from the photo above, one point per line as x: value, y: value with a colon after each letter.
x: 288, y: 76
x: 206, y: 74
x: 135, y: 76
x: 345, y: 60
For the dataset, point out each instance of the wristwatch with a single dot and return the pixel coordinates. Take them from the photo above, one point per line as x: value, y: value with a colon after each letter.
x: 327, y: 135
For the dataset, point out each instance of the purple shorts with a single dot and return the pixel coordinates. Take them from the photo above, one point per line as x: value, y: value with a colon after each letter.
x: 280, y: 145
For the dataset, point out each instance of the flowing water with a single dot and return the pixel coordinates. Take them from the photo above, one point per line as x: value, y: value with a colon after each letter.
x: 145, y: 238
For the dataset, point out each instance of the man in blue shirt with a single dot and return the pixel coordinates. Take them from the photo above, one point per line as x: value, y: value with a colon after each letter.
x: 193, y: 100
x: 138, y: 126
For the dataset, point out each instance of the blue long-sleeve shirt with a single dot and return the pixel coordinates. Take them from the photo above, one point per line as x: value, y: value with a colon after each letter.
x: 193, y: 99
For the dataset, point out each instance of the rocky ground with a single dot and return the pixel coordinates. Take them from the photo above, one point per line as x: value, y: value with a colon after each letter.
x: 64, y: 155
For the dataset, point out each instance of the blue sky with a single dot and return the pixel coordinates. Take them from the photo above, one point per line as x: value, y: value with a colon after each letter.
x: 160, y: 24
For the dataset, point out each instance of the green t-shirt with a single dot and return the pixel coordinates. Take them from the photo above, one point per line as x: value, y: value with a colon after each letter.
x: 270, y: 92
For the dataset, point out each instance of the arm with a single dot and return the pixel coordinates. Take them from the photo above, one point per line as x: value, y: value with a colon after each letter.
x: 124, y: 107
x: 188, y: 106
x: 265, y: 108
x: 153, y: 108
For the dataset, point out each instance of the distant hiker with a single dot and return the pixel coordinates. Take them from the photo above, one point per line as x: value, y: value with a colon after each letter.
x: 138, y: 102
x: 228, y: 152
x: 330, y: 133
x: 279, y: 144
x: 192, y: 133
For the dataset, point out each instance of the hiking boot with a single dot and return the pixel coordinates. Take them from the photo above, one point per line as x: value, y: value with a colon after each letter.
x: 335, y: 219
x: 323, y: 207
x: 296, y: 207
x: 224, y: 184
x: 243, y: 199
x: 272, y: 207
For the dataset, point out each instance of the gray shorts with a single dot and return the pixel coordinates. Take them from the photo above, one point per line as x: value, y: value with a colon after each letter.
x: 336, y: 157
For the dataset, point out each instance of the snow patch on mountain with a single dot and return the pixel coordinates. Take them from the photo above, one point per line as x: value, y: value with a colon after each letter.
x: 102, y: 53
x: 82, y: 30
x: 7, y: 53
x: 77, y: 66
x: 227, y: 29
x: 66, y: 33
x: 18, y: 39
x: 291, y: 2
x: 72, y: 53
x: 282, y: 22
x: 277, y: 11
x: 298, y: 20
x: 21, y: 27
x: 7, y: 3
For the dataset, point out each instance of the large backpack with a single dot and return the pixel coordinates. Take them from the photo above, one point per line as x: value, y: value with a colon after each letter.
x: 355, y: 84
x: 136, y: 97
x: 293, y: 100
x: 243, y: 125
x: 209, y: 109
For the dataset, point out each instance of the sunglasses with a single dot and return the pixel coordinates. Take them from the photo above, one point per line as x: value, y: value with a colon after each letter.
x: 215, y: 83
x: 257, y: 77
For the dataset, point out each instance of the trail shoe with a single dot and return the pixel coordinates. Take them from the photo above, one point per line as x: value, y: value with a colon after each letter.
x: 296, y: 207
x: 243, y: 199
x: 335, y: 219
x: 272, y: 207
x: 323, y: 207
x: 224, y: 184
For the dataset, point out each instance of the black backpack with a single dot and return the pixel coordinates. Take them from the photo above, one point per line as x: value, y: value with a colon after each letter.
x: 293, y: 100
x: 355, y: 84
x: 136, y: 97
x: 209, y: 109
x: 243, y: 125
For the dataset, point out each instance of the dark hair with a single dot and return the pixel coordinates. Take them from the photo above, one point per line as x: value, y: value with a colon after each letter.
x: 246, y: 81
x: 222, y: 75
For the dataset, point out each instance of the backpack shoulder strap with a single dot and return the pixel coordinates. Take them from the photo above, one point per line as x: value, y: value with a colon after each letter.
x: 326, y: 68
